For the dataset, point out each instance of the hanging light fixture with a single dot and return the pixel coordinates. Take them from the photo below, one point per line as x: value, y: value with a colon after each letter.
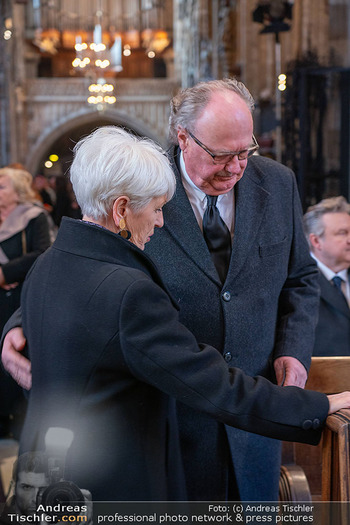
x: 47, y: 36
x: 99, y: 35
x: 154, y: 39
x: 92, y: 58
x: 96, y: 54
x: 101, y: 94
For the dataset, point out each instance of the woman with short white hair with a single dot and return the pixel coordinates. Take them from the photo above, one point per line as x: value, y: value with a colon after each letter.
x: 108, y: 352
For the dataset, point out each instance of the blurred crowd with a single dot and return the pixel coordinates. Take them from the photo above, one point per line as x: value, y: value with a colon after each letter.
x: 31, y: 209
x: 57, y: 197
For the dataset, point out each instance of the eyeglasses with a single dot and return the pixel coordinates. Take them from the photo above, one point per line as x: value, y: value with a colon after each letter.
x: 225, y: 158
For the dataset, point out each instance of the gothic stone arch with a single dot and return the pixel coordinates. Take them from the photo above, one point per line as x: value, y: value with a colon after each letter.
x: 85, y: 118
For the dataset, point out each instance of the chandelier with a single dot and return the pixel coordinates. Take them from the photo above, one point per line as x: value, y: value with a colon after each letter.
x: 101, y: 52
x: 101, y: 33
x: 101, y: 93
x: 95, y: 56
x: 138, y: 23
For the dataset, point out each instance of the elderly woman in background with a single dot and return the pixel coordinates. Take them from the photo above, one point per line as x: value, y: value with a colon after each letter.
x: 108, y: 352
x: 24, y: 235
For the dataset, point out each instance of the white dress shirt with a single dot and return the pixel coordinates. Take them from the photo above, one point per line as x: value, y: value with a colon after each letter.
x: 198, y: 200
x: 329, y: 274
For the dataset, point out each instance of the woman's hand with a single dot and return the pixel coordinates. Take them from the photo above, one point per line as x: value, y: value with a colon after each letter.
x: 338, y: 401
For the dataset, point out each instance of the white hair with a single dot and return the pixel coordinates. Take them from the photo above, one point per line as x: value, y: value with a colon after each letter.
x: 189, y: 103
x: 112, y: 162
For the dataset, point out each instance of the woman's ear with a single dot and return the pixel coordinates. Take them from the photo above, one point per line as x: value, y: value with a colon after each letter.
x: 120, y: 206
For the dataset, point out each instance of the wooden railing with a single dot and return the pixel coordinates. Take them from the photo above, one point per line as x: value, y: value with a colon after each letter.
x: 330, y: 460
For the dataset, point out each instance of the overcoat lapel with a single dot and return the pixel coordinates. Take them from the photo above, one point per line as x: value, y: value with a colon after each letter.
x: 182, y: 225
x: 250, y: 205
x: 333, y: 297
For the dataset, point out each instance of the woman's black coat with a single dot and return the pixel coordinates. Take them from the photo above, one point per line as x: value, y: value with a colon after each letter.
x: 108, y: 358
x: 36, y: 238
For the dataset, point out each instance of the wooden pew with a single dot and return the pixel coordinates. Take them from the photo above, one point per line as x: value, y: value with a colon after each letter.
x: 321, y: 473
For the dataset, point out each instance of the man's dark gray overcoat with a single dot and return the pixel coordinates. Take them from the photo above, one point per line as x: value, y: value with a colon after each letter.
x: 267, y: 308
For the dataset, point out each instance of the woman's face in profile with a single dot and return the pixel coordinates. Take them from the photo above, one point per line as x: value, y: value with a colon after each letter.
x: 141, y: 224
x: 8, y: 195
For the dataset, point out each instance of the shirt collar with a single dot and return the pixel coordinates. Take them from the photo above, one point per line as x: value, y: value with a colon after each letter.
x: 328, y: 273
x: 187, y: 181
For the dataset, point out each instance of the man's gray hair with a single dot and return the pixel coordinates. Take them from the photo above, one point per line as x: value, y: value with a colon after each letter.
x: 112, y: 162
x: 312, y: 220
x: 188, y: 104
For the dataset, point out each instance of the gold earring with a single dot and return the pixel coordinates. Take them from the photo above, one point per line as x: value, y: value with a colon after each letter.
x: 123, y: 231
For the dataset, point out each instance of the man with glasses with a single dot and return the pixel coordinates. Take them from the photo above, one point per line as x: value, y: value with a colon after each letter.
x: 233, y: 254
x: 225, y: 158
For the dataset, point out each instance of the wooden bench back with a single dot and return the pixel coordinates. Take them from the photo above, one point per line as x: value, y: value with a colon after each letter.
x: 329, y: 375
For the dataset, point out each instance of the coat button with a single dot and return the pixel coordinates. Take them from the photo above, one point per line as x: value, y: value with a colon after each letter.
x: 227, y: 356
x: 307, y: 424
x: 316, y: 424
x: 226, y: 296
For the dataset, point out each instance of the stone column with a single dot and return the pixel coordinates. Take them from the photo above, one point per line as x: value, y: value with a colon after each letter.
x: 14, y: 84
x: 6, y: 46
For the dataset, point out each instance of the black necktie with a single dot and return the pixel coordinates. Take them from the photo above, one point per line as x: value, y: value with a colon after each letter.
x: 217, y: 237
x: 337, y: 284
